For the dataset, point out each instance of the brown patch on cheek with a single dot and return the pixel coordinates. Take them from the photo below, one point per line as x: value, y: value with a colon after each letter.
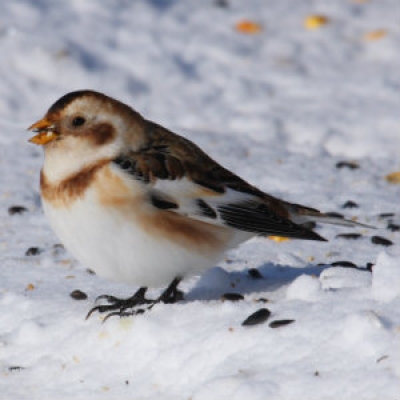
x: 102, y: 134
x: 65, y: 192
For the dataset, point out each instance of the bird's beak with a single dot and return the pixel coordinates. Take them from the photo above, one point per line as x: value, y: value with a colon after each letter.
x: 45, y: 132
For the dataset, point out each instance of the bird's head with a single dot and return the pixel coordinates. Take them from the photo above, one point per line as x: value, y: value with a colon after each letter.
x: 84, y: 127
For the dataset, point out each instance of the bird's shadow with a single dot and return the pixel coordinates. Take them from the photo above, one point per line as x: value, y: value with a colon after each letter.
x: 218, y: 281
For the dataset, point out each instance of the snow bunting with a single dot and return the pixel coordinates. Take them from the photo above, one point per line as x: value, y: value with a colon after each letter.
x: 140, y: 204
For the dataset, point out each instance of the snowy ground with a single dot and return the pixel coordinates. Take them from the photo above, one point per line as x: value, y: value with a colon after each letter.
x: 281, y: 107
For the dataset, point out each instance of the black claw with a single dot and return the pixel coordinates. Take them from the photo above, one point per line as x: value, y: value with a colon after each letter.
x: 118, y: 307
x: 111, y: 314
x: 122, y: 313
x: 108, y: 298
x: 91, y: 311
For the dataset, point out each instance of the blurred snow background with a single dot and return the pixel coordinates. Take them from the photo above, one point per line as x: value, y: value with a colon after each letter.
x: 281, y: 105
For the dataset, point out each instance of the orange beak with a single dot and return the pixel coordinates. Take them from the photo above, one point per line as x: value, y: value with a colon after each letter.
x: 45, y: 132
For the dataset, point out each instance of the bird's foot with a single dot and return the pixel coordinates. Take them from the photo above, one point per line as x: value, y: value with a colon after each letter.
x: 117, y: 306
x: 136, y: 304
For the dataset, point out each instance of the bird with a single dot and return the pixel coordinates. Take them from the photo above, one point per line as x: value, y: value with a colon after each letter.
x: 140, y: 204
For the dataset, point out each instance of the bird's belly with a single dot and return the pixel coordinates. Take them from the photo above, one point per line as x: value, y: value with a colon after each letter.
x: 119, y: 248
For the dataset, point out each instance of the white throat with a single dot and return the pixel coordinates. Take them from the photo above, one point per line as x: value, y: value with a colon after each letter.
x: 67, y: 157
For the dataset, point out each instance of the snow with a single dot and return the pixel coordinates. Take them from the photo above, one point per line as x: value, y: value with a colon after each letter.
x: 305, y: 287
x: 386, y: 282
x: 281, y: 108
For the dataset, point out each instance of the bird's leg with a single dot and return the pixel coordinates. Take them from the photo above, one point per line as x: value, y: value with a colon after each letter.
x: 138, y: 299
x: 119, y: 307
x: 171, y: 294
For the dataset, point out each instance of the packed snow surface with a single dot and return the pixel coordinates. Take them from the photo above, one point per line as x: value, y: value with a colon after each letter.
x: 308, y: 115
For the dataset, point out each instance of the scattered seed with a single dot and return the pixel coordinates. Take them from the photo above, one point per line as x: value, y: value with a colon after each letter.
x: 17, y: 210
x: 257, y: 317
x: 248, y: 27
x: 345, y: 264
x: 349, y: 236
x: 385, y: 357
x: 350, y: 204
x: 33, y: 251
x: 280, y: 322
x: 278, y: 239
x: 347, y: 164
x: 232, y: 297
x: 315, y: 21
x: 15, y: 368
x: 254, y: 273
x: 375, y: 35
x: 381, y: 240
x: 78, y: 295
x: 393, y: 177
x: 386, y: 215
x: 393, y: 227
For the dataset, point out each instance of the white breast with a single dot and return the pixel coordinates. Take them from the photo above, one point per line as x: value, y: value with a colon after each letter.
x: 113, y: 246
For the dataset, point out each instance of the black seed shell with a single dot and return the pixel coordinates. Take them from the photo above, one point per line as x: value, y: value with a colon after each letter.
x: 33, y: 251
x: 17, y: 210
x: 381, y: 240
x: 350, y: 204
x: 280, y: 322
x: 254, y: 273
x: 78, y: 295
x: 258, y: 317
x: 349, y: 236
x: 232, y: 296
x: 347, y: 164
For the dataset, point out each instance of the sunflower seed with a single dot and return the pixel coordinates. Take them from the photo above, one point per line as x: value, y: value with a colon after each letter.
x: 232, y: 296
x: 33, y: 251
x: 350, y: 204
x: 254, y: 273
x: 280, y: 322
x: 78, y: 295
x: 349, y: 236
x: 347, y: 164
x: 257, y: 317
x: 17, y: 210
x: 381, y: 240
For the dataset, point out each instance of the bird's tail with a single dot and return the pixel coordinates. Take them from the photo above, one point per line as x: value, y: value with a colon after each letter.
x: 300, y: 215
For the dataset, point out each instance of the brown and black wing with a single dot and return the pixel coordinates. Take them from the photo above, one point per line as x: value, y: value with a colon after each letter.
x: 183, y: 179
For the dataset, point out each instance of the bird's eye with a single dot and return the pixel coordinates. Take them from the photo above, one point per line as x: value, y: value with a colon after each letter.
x: 78, y: 121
